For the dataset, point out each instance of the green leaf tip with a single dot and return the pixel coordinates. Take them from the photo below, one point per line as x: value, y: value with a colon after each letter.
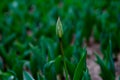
x: 59, y: 30
x: 27, y: 76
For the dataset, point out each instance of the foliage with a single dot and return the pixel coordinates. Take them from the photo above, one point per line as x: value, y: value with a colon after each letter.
x: 107, y: 64
x: 28, y: 41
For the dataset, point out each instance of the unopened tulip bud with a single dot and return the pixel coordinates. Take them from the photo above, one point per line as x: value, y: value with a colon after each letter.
x: 59, y: 30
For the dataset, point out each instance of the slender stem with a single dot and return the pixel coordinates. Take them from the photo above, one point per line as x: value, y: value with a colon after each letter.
x: 61, y: 47
x: 62, y: 53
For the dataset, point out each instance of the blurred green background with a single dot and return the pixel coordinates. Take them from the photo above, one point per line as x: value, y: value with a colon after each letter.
x: 28, y: 38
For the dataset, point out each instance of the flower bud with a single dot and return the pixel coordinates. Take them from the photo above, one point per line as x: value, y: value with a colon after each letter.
x: 59, y: 30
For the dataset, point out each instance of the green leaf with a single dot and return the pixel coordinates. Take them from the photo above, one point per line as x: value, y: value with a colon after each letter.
x: 106, y: 74
x: 3, y: 52
x: 69, y: 51
x: 80, y: 67
x: 49, y: 70
x: 66, y: 71
x: 110, y: 62
x: 86, y: 75
x: 58, y: 64
x: 70, y: 68
x: 6, y: 76
x: 38, y: 77
x: 27, y: 76
x: 37, y: 60
x: 9, y: 38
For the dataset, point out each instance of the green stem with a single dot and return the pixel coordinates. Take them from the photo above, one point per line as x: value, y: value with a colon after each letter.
x: 66, y: 72
x: 62, y: 53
